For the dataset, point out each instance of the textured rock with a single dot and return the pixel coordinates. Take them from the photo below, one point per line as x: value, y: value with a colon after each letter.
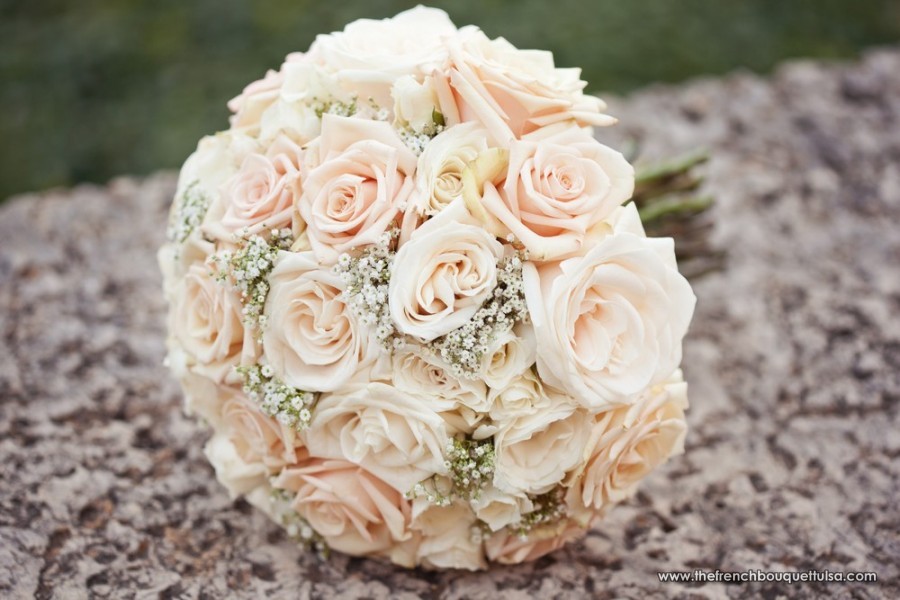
x: 793, y: 361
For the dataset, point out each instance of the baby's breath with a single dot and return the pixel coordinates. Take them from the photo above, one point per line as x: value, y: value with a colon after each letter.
x: 464, y: 348
x: 289, y: 406
x: 334, y: 107
x: 188, y: 213
x: 416, y: 140
x: 296, y: 527
x: 366, y: 278
x: 548, y: 508
x: 470, y: 467
x: 248, y: 269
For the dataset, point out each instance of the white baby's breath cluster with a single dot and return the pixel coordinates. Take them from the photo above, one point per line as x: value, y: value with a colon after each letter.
x: 187, y: 213
x: 411, y: 297
x: 289, y: 406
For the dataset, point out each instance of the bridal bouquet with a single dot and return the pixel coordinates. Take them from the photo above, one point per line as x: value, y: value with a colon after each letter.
x: 410, y: 296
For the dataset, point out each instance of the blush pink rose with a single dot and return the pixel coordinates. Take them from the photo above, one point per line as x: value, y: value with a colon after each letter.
x: 507, y: 547
x: 358, y: 188
x: 557, y: 189
x: 515, y: 92
x: 258, y: 437
x: 353, y: 510
x: 261, y: 195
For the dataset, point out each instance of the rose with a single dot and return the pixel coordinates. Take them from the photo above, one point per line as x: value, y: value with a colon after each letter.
x: 610, y: 322
x: 258, y: 437
x: 627, y: 443
x: 509, y: 356
x: 443, y: 274
x: 535, y: 450
x: 369, y: 55
x: 498, y: 509
x: 523, y: 395
x: 558, y: 189
x: 238, y: 477
x: 351, y: 508
x: 395, y: 435
x: 514, y: 92
x: 205, y: 320
x: 414, y: 103
x: 439, y: 174
x: 356, y: 191
x: 507, y: 547
x: 447, y: 541
x: 458, y: 400
x: 261, y: 195
x: 312, y: 340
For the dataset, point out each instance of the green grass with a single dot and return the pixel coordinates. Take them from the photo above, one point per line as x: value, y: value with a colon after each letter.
x: 95, y: 88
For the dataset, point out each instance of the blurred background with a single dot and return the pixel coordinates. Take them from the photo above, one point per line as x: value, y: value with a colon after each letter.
x: 96, y: 88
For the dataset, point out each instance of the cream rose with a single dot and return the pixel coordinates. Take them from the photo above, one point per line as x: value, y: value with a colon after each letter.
x: 395, y: 435
x: 510, y: 355
x: 514, y: 92
x: 238, y: 476
x: 256, y: 436
x: 629, y: 442
x: 443, y: 274
x: 311, y: 339
x: 351, y: 508
x: 507, y: 547
x: 414, y: 103
x: 261, y: 194
x: 498, y: 509
x: 535, y: 451
x: 557, y: 189
x: 206, y: 321
x: 610, y: 323
x: 369, y: 55
x: 417, y: 372
x: 447, y: 541
x: 439, y: 174
x: 356, y: 191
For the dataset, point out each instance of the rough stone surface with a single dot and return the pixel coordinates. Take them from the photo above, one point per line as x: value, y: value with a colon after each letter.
x: 793, y: 361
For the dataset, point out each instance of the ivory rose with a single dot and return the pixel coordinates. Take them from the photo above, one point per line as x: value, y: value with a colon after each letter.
x: 610, y: 322
x: 557, y: 189
x: 358, y: 187
x: 514, y: 92
x: 628, y: 442
x: 256, y: 436
x: 498, y: 509
x: 260, y: 196
x: 443, y: 274
x: 439, y: 174
x: 535, y: 451
x: 351, y: 508
x: 416, y: 372
x: 311, y: 339
x: 509, y: 356
x: 206, y: 321
x: 237, y: 475
x: 447, y: 541
x: 395, y: 435
x: 369, y: 55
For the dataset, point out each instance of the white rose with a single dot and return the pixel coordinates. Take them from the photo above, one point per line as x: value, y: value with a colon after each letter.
x: 439, y: 174
x: 395, y: 435
x: 610, y: 323
x: 558, y: 189
x: 417, y: 372
x: 629, y: 442
x: 515, y: 92
x: 447, y: 541
x: 238, y: 477
x: 206, y: 321
x: 509, y: 356
x: 443, y: 274
x: 414, y: 103
x: 312, y: 340
x: 354, y: 511
x: 369, y: 55
x: 536, y: 450
x: 499, y: 509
